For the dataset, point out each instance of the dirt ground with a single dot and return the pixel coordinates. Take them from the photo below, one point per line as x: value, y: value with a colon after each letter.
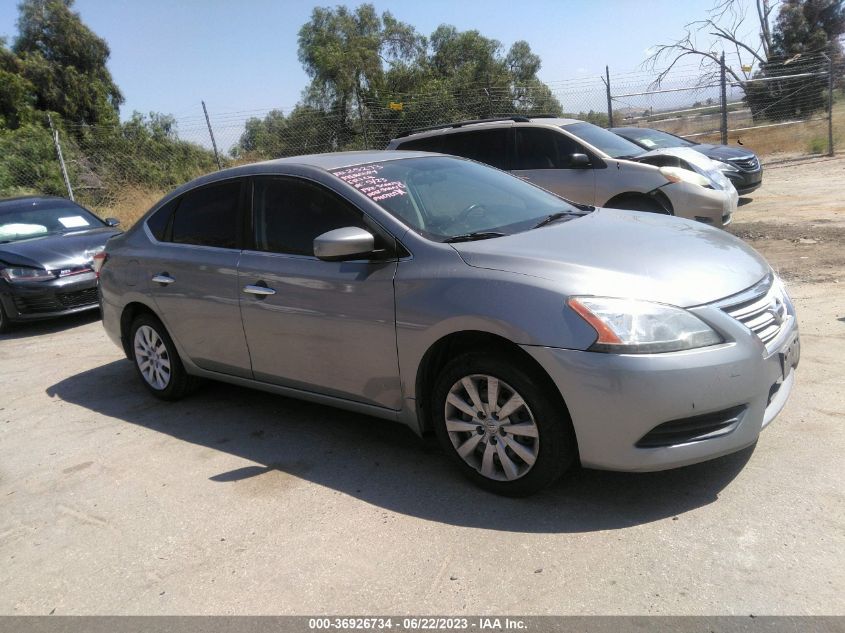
x: 239, y: 502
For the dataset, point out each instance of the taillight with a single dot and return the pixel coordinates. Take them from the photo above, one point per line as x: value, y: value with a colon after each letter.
x: 99, y: 259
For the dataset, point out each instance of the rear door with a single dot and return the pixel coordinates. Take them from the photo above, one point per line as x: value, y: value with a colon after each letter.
x: 544, y: 157
x: 192, y: 275
x: 327, y: 327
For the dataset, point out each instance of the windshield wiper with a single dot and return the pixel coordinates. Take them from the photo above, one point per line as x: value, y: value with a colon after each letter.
x: 554, y: 217
x: 471, y: 237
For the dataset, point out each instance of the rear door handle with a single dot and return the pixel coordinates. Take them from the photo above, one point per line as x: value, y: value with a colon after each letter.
x: 261, y: 291
x: 163, y: 279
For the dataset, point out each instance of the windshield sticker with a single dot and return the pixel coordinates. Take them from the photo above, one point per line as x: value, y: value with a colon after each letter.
x: 73, y: 221
x: 365, y: 179
x: 647, y: 142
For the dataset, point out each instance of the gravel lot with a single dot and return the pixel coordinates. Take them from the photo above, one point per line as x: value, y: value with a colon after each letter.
x: 236, y: 502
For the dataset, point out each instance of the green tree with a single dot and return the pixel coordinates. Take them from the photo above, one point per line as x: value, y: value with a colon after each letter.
x: 65, y: 62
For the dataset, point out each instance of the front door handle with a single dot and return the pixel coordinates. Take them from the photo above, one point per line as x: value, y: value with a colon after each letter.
x: 261, y: 291
x: 164, y: 279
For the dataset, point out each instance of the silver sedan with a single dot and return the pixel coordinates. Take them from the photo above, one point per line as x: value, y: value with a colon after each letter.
x: 527, y: 333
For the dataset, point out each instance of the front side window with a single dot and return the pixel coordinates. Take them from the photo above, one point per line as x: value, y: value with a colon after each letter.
x: 208, y: 216
x: 288, y: 214
x: 538, y: 148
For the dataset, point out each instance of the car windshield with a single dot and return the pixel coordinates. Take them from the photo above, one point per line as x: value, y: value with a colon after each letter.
x: 37, y: 218
x: 444, y: 198
x: 654, y: 139
x: 604, y: 140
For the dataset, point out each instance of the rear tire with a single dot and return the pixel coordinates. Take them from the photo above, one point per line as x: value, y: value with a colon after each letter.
x: 156, y: 360
x: 516, y: 454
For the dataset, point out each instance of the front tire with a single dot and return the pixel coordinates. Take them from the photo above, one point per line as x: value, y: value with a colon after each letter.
x: 503, y: 429
x: 156, y: 360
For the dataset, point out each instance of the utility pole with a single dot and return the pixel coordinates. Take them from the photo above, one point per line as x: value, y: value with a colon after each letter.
x: 830, y: 150
x: 61, y: 158
x: 609, y: 97
x: 211, y: 134
x: 724, y: 98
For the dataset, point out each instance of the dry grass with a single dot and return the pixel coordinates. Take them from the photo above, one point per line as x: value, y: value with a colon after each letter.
x: 129, y: 205
x: 769, y: 142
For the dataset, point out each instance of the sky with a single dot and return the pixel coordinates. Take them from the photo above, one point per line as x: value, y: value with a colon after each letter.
x: 241, y: 56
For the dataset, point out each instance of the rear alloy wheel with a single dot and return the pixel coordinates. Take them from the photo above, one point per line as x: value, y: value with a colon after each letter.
x: 156, y: 359
x: 495, y: 420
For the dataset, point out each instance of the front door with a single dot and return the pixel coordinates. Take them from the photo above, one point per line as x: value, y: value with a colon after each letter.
x: 327, y: 327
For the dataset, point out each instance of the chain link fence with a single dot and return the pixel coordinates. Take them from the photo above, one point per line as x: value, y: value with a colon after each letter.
x: 790, y: 108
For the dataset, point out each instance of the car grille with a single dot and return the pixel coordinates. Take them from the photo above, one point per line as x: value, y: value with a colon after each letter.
x: 694, y: 429
x: 764, y: 314
x: 58, y: 302
x: 746, y: 164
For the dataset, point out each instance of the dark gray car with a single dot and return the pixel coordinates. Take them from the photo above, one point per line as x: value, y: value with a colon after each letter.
x: 46, y: 250
x: 528, y: 333
x: 740, y: 166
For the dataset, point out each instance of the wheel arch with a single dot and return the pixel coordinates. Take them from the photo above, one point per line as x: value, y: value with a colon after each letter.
x: 655, y: 195
x: 456, y: 343
x: 130, y: 312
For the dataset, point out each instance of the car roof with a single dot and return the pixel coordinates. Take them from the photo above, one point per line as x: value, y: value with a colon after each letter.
x: 338, y: 160
x: 450, y: 128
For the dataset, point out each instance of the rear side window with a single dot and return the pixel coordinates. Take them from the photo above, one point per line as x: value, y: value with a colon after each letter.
x: 428, y: 144
x: 288, y: 214
x: 208, y: 216
x: 538, y: 148
x: 485, y: 146
x: 159, y: 220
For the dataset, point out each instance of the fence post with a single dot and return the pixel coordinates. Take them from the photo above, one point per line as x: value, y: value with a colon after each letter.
x: 830, y: 149
x: 61, y: 158
x: 609, y: 97
x: 211, y: 134
x: 723, y: 127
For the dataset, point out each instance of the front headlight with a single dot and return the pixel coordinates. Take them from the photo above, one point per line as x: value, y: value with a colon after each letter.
x: 723, y: 166
x: 26, y: 274
x: 630, y: 326
x: 677, y: 174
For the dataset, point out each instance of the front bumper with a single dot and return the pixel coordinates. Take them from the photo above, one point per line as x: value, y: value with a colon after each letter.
x: 711, y: 206
x: 47, y: 299
x: 745, y: 181
x: 617, y: 400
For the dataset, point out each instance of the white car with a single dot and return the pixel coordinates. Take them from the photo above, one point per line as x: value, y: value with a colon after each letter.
x: 588, y: 164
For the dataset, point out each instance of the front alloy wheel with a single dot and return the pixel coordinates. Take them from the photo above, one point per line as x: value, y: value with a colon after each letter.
x: 491, y: 427
x: 503, y: 422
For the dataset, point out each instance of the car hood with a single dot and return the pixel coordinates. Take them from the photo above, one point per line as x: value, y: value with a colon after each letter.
x: 629, y: 254
x: 723, y: 152
x: 56, y: 251
x: 691, y: 159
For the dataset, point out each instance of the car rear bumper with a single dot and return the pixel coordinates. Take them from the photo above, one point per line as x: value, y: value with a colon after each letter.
x: 707, y: 402
x: 44, y: 300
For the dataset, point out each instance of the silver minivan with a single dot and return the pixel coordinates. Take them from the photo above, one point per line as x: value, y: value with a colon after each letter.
x: 527, y: 333
x: 588, y: 164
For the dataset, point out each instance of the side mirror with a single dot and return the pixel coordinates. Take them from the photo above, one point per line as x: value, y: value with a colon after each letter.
x: 112, y: 221
x: 579, y: 161
x: 349, y: 242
